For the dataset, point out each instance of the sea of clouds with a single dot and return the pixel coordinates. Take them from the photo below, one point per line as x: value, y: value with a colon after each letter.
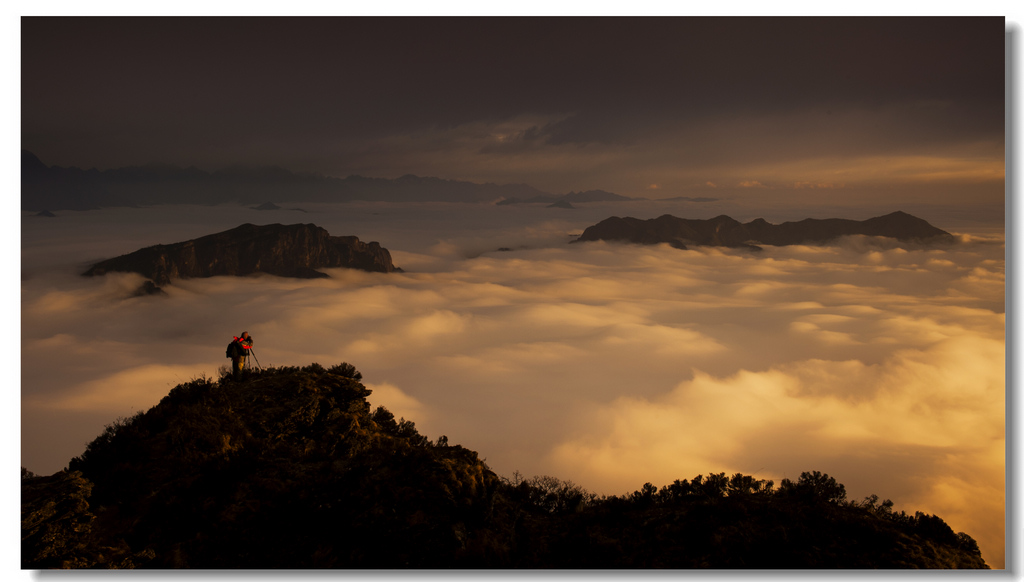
x: 611, y: 365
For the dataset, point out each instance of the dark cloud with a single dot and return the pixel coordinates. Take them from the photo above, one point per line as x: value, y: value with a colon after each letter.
x: 331, y: 94
x: 529, y: 139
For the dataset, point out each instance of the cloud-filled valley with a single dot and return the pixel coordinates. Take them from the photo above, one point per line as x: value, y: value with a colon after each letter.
x: 881, y: 364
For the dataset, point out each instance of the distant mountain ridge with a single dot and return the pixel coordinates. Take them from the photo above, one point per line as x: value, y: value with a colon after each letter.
x: 55, y: 188
x: 295, y: 250
x: 724, y: 231
x: 561, y: 201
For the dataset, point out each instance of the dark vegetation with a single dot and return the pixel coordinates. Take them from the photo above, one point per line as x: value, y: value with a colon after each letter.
x: 290, y: 468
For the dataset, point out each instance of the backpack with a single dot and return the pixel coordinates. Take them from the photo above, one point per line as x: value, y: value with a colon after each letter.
x: 233, y: 350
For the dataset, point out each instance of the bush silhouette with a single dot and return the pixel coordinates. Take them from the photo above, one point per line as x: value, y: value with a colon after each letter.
x: 290, y: 468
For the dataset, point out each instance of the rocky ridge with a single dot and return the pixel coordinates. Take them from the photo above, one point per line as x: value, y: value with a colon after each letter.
x: 724, y: 231
x: 295, y: 250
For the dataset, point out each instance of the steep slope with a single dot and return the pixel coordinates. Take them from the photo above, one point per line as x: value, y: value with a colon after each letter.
x: 295, y: 250
x: 727, y: 232
x: 287, y: 469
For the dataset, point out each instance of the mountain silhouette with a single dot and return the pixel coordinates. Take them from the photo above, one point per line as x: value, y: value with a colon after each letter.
x: 594, y: 196
x: 55, y: 188
x: 295, y: 250
x: 289, y: 468
x: 556, y: 201
x: 727, y: 232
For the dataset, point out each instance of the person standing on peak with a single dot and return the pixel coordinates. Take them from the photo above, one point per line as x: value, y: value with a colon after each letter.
x: 238, y: 351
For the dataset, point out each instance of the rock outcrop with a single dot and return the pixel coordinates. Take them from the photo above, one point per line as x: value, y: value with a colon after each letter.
x: 295, y: 250
x: 727, y: 232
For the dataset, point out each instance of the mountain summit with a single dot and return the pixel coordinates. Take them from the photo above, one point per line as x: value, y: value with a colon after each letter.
x: 289, y: 468
x: 726, y: 232
x: 295, y: 250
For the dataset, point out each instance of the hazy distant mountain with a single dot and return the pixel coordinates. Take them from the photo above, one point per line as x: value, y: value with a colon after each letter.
x: 551, y: 199
x: 727, y: 232
x: 595, y: 196
x: 288, y: 468
x: 687, y: 199
x: 54, y: 188
x: 296, y: 250
x: 540, y: 199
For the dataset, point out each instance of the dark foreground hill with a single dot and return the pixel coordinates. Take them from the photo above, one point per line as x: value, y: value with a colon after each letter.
x: 289, y: 468
x: 724, y: 231
x: 294, y: 250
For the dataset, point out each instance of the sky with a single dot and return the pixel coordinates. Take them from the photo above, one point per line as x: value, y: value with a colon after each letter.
x: 610, y: 365
x: 648, y: 107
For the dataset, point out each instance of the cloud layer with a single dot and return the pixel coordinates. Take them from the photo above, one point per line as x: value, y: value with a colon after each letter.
x: 610, y: 365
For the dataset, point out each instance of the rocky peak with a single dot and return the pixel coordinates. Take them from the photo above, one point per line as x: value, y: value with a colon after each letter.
x: 725, y: 231
x: 295, y: 250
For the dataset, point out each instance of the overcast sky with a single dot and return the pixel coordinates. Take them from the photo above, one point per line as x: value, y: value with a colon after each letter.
x: 649, y: 107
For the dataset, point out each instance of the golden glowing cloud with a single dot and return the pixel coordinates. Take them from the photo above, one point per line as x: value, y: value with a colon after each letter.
x: 611, y: 365
x: 135, y: 389
x: 396, y: 401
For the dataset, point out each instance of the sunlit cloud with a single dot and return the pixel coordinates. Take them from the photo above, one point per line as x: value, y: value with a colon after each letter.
x: 611, y: 365
x: 132, y: 389
x: 396, y: 401
x: 948, y: 398
x: 751, y: 184
x: 826, y: 185
x: 831, y: 173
